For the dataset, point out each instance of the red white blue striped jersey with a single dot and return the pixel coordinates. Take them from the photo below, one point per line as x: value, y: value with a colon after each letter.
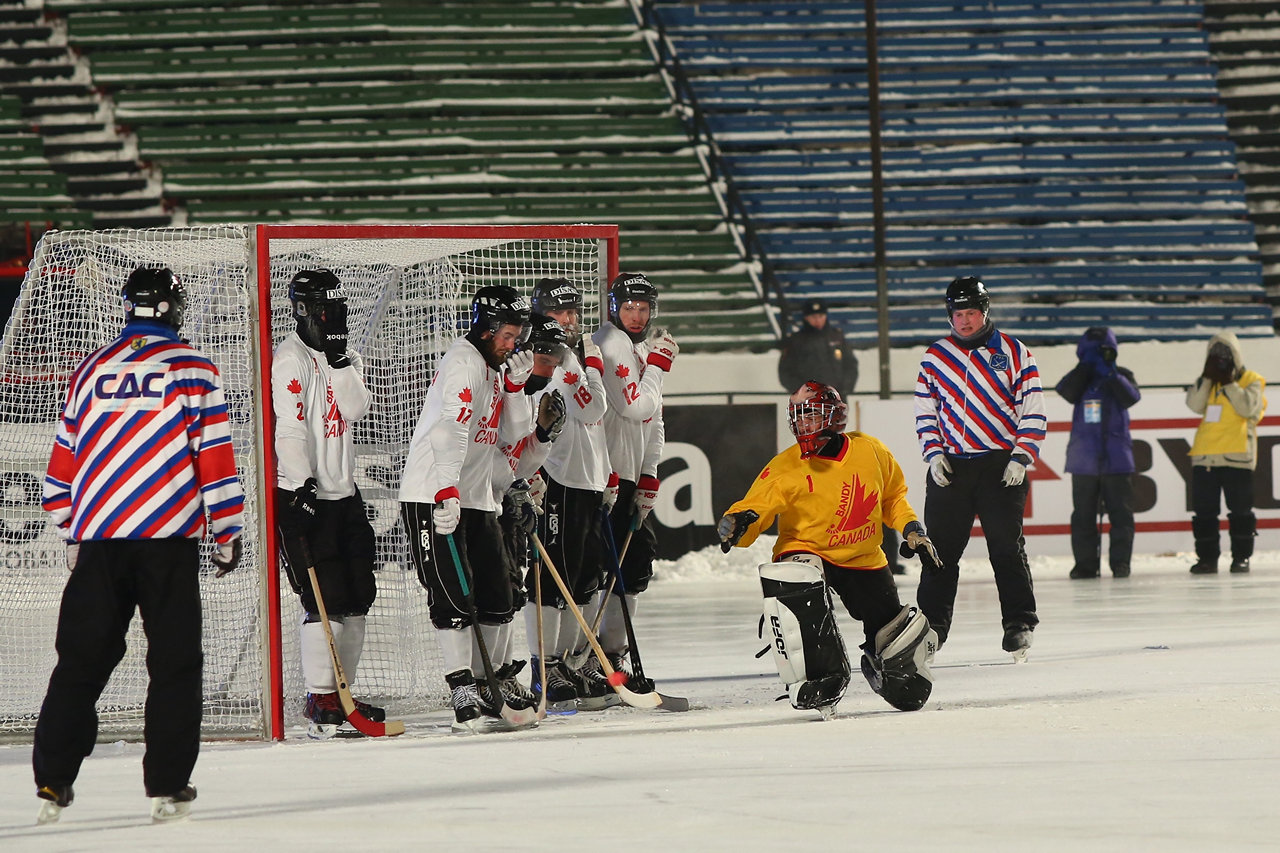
x: 971, y: 402
x: 143, y: 447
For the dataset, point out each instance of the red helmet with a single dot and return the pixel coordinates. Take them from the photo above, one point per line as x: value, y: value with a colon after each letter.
x: 816, y: 415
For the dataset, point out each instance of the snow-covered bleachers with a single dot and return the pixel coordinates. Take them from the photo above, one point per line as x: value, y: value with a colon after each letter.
x: 1022, y: 141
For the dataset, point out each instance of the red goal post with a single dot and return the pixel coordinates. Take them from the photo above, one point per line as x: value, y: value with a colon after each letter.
x: 410, y: 288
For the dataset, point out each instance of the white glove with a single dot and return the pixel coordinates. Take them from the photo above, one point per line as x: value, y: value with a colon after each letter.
x: 537, y: 489
x: 646, y: 496
x: 611, y: 492
x: 662, y: 350
x: 519, y: 366
x: 73, y: 554
x: 226, y: 557
x: 1014, y: 473
x: 446, y: 516
x: 940, y: 470
x: 591, y: 355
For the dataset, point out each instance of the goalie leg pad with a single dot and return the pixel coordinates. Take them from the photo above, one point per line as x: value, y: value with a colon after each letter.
x: 807, y: 647
x: 899, y: 669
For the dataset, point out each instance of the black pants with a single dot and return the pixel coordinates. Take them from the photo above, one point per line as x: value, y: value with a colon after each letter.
x: 160, y: 577
x: 1091, y: 495
x: 870, y: 596
x: 571, y: 531
x: 637, y: 565
x: 341, y: 545
x: 976, y: 491
x: 1209, y: 487
x: 485, y: 563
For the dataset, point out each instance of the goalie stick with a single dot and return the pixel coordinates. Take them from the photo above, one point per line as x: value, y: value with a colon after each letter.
x: 358, y: 721
x: 514, y: 718
x: 635, y: 700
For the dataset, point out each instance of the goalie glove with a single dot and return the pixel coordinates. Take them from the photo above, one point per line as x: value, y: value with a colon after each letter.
x: 646, y: 496
x: 226, y: 556
x: 448, y: 512
x: 940, y: 470
x: 551, y: 413
x: 915, y: 540
x: 732, y: 527
x: 611, y: 492
x: 662, y: 350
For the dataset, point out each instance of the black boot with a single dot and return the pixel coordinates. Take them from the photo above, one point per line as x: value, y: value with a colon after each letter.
x: 1242, y: 528
x: 1205, y: 531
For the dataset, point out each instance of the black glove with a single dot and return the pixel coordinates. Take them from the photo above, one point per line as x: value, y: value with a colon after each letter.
x: 226, y: 557
x: 732, y: 527
x: 523, y: 506
x: 915, y: 540
x: 337, y: 360
x: 1220, y: 369
x: 551, y: 414
x: 302, y: 504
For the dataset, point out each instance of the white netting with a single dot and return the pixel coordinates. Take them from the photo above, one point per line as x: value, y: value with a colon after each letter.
x: 409, y: 297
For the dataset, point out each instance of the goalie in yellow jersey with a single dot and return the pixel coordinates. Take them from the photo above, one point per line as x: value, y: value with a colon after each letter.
x: 830, y: 493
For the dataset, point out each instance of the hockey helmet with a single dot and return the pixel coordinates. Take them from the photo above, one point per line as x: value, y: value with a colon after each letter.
x: 498, y: 305
x: 632, y: 287
x: 967, y: 292
x: 320, y: 307
x: 546, y: 335
x: 816, y: 415
x: 154, y: 293
x: 555, y: 294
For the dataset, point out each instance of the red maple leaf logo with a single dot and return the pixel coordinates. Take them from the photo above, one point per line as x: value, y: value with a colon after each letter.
x: 858, y: 510
x: 765, y: 472
x: 571, y: 379
x: 465, y: 395
x: 622, y: 372
x: 294, y: 386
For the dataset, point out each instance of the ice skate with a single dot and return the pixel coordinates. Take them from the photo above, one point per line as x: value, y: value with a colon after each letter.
x: 173, y: 807
x: 1017, y: 642
x: 633, y: 683
x: 594, y: 692
x: 324, y: 715
x: 466, y: 701
x: 53, y: 801
x: 372, y: 713
x: 561, y: 695
x: 828, y: 712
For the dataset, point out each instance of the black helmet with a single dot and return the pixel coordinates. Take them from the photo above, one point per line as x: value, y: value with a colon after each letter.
x: 967, y: 292
x: 320, y: 307
x: 152, y: 293
x: 555, y: 294
x: 499, y: 305
x: 632, y: 287
x: 546, y: 335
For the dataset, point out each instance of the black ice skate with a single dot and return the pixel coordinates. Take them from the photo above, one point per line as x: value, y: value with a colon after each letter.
x: 594, y: 691
x: 324, y: 714
x: 1017, y: 641
x: 466, y: 701
x: 176, y: 806
x: 561, y: 694
x: 54, y: 798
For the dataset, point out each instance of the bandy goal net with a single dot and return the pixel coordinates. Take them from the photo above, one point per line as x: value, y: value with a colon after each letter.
x: 409, y: 291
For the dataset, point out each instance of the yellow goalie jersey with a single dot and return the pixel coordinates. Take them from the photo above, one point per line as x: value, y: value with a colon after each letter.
x: 831, y: 507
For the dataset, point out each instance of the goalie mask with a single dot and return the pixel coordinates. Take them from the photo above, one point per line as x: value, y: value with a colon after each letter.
x: 632, y: 288
x: 816, y: 415
x: 154, y: 294
x: 320, y: 307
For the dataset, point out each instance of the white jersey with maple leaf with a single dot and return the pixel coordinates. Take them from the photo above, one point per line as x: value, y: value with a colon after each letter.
x: 469, y: 416
x: 831, y: 507
x: 633, y: 424
x: 579, y: 458
x: 315, y: 406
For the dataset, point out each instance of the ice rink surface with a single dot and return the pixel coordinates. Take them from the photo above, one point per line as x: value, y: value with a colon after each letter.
x: 1147, y: 718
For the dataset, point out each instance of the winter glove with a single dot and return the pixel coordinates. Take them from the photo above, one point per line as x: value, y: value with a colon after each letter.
x: 337, y: 360
x: 551, y: 412
x: 611, y: 492
x: 591, y: 355
x: 448, y: 511
x: 662, y: 350
x: 1014, y: 473
x: 646, y: 496
x: 519, y: 366
x: 226, y: 556
x: 73, y: 554
x: 524, y: 507
x: 302, y: 505
x: 1220, y: 369
x: 537, y: 489
x: 732, y: 527
x: 914, y: 540
x: 940, y: 470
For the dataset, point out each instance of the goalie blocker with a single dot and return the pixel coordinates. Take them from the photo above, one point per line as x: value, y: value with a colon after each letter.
x: 810, y: 653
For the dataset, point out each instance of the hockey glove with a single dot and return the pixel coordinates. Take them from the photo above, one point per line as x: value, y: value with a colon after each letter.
x: 551, y: 412
x: 537, y: 489
x: 73, y: 554
x: 646, y: 496
x: 303, y: 505
x: 611, y: 492
x: 662, y: 350
x: 732, y: 527
x: 591, y: 355
x: 523, y: 506
x: 519, y: 366
x: 915, y: 540
x: 1014, y: 473
x: 940, y: 470
x: 337, y: 360
x: 448, y: 512
x: 226, y: 557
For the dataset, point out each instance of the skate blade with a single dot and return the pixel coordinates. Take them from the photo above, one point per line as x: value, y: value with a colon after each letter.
x: 568, y: 706
x: 598, y: 703
x: 321, y: 731
x: 165, y: 810
x: 828, y: 712
x: 469, y: 727
x: 50, y: 812
x: 1020, y: 656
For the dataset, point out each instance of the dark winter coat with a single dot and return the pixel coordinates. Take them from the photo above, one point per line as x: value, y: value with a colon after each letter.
x: 819, y: 354
x: 1102, y: 393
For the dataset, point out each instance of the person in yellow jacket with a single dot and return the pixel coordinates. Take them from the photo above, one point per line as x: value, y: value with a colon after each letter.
x: 1224, y: 454
x: 830, y: 493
